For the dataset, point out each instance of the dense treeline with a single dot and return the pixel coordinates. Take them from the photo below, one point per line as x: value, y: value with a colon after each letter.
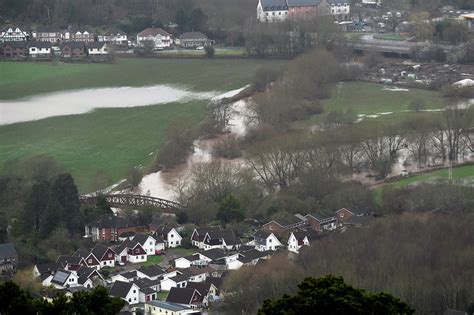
x: 14, y: 300
x: 425, y: 260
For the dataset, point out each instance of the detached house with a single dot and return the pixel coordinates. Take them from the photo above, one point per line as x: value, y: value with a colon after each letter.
x: 97, y: 49
x: 73, y: 50
x: 272, y: 11
x: 8, y: 257
x: 186, y: 296
x: 224, y: 239
x: 197, y: 238
x: 158, y: 37
x: 15, y: 50
x: 320, y: 222
x: 45, y: 272
x: 264, y: 241
x: 105, y: 255
x: 109, y: 227
x: 149, y: 243
x: 127, y: 291
x: 13, y: 34
x: 64, y: 279
x: 39, y: 49
x: 70, y: 262
x: 131, y: 251
x: 301, y: 238
x: 152, y: 272
x: 89, y: 258
x: 170, y: 236
x: 188, y: 261
x: 115, y: 37
x: 193, y: 40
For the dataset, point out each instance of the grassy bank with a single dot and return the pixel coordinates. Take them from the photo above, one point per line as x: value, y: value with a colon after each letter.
x: 19, y: 79
x: 371, y: 99
x: 112, y: 140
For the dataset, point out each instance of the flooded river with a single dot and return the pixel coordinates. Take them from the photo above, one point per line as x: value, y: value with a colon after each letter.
x: 82, y: 101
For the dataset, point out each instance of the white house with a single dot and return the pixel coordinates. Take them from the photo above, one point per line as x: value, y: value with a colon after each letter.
x: 264, y: 241
x: 300, y: 239
x: 269, y: 11
x: 105, y: 255
x: 157, y: 36
x: 340, y: 8
x: 152, y: 272
x: 97, y: 49
x: 127, y: 291
x: 220, y: 260
x: 170, y: 236
x: 13, y: 34
x: 188, y: 261
x: 197, y: 238
x: 178, y: 281
x: 131, y: 251
x: 128, y: 276
x: 114, y: 37
x: 64, y: 278
x: 162, y: 307
x: 39, y: 49
x: 148, y: 243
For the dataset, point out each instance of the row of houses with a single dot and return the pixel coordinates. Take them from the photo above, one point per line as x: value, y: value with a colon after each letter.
x: 69, y: 50
x: 158, y: 37
x: 281, y: 10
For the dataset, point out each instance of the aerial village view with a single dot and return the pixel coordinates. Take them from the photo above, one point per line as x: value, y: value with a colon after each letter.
x: 237, y: 157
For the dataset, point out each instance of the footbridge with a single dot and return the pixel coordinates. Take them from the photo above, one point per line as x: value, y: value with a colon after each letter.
x: 136, y: 201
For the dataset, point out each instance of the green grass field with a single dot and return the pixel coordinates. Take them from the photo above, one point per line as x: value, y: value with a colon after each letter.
x: 391, y: 36
x: 370, y: 99
x: 114, y: 139
x: 19, y: 79
x: 153, y: 260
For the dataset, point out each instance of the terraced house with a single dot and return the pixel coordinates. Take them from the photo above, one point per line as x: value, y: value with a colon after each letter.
x: 269, y: 11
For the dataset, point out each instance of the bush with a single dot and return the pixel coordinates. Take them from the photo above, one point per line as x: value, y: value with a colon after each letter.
x: 263, y: 77
x: 227, y: 149
x: 430, y: 52
x: 210, y: 51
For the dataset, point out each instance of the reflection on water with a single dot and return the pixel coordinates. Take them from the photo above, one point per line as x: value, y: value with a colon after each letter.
x: 83, y: 101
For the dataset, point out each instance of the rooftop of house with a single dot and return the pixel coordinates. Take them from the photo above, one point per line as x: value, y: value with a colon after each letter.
x: 173, y: 307
x: 64, y: 260
x: 358, y: 220
x: 153, y: 32
x: 99, y: 251
x: 310, y: 234
x: 39, y: 44
x: 202, y: 287
x: 192, y: 36
x: 8, y: 250
x: 273, y: 4
x: 216, y: 281
x: 151, y: 271
x: 213, y: 254
x: 262, y: 234
x: 61, y: 276
x: 142, y: 238
x: 78, y: 45
x: 199, y: 233
x: 182, y: 295
x: 48, y: 268
x: 120, y: 289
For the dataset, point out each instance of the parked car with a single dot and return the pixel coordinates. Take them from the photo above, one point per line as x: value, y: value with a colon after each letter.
x: 200, y: 48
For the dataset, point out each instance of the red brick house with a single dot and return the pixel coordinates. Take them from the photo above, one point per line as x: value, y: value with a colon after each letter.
x: 319, y: 222
x: 298, y: 9
x: 109, y: 227
x: 15, y: 50
x: 74, y: 50
x: 281, y: 225
x: 343, y: 214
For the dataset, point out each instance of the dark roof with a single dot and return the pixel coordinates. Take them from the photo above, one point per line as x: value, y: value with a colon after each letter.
x: 269, y: 5
x: 61, y: 276
x: 202, y: 287
x: 120, y: 289
x: 146, y: 283
x: 127, y: 234
x: 192, y: 35
x: 311, y: 234
x: 181, y: 295
x: 153, y: 32
x: 180, y: 278
x: 213, y: 254
x: 193, y: 257
x: 152, y: 270
x: 163, y: 230
x: 76, y: 45
x: 64, y: 260
x: 319, y: 216
x: 198, y: 234
x: 8, y: 250
x: 129, y: 274
x: 339, y: 1
x: 254, y: 254
x: 168, y: 306
x: 85, y: 271
x: 142, y: 238
x: 16, y: 44
x: 111, y: 221
x: 262, y: 234
x: 96, y: 45
x: 344, y: 209
x: 126, y: 244
x: 114, y: 31
x: 303, y: 3
x: 39, y: 44
x: 99, y: 251
x: 288, y: 220
x: 147, y: 291
x: 48, y: 268
x: 216, y: 281
x: 81, y: 253
x: 358, y: 220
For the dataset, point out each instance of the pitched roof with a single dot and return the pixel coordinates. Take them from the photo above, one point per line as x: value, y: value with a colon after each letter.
x: 114, y: 32
x: 99, y: 251
x: 74, y: 45
x: 344, y: 209
x: 174, y: 307
x: 48, y: 268
x: 269, y: 5
x: 319, y: 216
x: 213, y: 254
x: 358, y: 220
x: 202, y: 287
x: 151, y: 271
x: 262, y: 234
x: 153, y: 32
x: 16, y: 44
x: 142, y: 238
x: 61, y: 276
x: 192, y: 35
x: 120, y: 289
x: 147, y: 291
x: 200, y: 233
x: 146, y: 283
x: 180, y: 278
x: 64, y: 260
x: 311, y: 234
x: 230, y: 238
x: 192, y: 257
x: 8, y: 250
x: 303, y: 3
x: 182, y: 295
x: 81, y: 253
x: 129, y: 274
x: 216, y: 281
x: 126, y: 244
x: 39, y: 44
x: 127, y: 234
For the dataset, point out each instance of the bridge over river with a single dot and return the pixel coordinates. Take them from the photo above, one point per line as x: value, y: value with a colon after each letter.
x: 134, y: 201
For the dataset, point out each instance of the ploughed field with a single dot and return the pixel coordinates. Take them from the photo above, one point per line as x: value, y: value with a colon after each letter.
x: 111, y: 140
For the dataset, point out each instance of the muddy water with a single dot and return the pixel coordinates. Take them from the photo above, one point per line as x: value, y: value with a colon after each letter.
x: 162, y: 184
x: 83, y: 101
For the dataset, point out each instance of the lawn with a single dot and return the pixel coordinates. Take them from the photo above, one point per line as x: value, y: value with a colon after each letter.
x: 112, y: 140
x: 219, y: 52
x: 462, y: 175
x: 153, y: 260
x: 183, y: 251
x: 370, y: 99
x: 19, y: 79
x: 162, y: 295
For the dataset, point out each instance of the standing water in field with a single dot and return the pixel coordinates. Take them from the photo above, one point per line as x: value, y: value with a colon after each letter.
x: 82, y: 101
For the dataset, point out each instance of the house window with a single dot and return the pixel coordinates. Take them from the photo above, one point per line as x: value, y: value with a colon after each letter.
x: 143, y: 257
x: 134, y: 291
